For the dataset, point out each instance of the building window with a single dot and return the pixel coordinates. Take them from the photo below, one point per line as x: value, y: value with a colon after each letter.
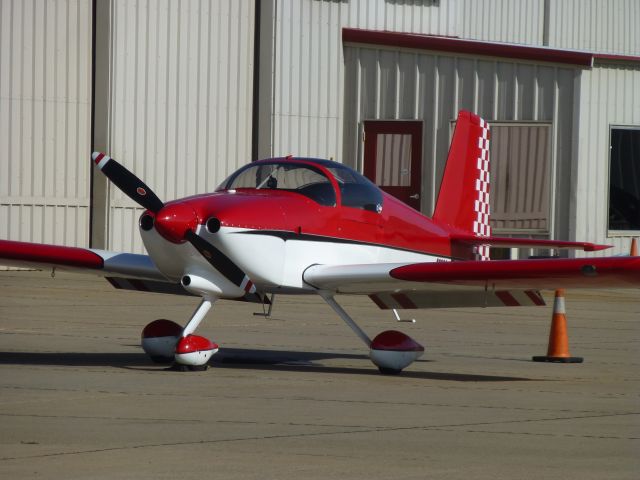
x: 624, y: 179
x: 520, y: 178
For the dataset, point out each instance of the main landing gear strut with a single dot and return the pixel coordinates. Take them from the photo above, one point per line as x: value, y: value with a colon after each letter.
x: 166, y: 341
x: 391, y: 351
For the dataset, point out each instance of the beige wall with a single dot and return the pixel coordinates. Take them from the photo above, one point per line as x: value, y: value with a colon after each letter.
x: 45, y: 109
x: 180, y: 107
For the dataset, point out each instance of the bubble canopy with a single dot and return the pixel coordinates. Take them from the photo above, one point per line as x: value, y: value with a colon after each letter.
x: 308, y: 177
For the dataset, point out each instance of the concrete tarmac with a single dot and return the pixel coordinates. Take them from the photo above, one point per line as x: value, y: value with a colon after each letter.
x: 295, y: 396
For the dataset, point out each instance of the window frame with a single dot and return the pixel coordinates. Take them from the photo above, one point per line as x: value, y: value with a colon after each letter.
x: 613, y: 233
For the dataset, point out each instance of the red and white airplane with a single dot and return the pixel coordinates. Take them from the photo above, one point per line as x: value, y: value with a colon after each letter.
x: 309, y: 226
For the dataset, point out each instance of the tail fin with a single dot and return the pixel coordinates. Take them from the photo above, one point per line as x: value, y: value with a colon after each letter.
x: 463, y: 201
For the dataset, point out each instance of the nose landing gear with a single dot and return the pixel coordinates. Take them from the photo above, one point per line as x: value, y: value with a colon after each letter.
x: 166, y: 341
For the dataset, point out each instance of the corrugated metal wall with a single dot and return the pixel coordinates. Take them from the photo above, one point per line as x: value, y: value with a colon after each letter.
x: 308, y: 70
x: 309, y: 67
x: 383, y: 84
x: 181, y: 99
x: 609, y: 96
x: 520, y: 178
x: 610, y: 26
x: 181, y: 88
x: 45, y: 110
x: 507, y: 21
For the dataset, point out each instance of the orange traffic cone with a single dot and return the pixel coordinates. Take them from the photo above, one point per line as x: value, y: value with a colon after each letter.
x: 634, y: 248
x: 558, y: 350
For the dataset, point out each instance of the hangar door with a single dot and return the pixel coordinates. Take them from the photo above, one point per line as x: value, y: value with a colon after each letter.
x: 393, y: 158
x: 521, y: 178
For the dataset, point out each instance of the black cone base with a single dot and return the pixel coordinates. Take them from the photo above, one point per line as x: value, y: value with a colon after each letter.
x: 545, y: 358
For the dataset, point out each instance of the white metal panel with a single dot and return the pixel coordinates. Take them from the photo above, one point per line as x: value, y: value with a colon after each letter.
x: 45, y: 94
x: 507, y: 21
x: 609, y: 96
x: 309, y: 65
x: 609, y: 26
x: 428, y: 16
x: 181, y: 99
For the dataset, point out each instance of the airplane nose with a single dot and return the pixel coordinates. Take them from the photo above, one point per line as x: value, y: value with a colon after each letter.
x: 174, y: 220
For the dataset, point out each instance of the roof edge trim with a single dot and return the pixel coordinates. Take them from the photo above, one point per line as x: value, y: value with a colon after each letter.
x: 473, y: 47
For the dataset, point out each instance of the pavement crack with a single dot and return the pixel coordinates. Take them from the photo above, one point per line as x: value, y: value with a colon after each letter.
x: 451, y: 427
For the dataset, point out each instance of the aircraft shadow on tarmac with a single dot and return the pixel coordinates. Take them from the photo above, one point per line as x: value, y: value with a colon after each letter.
x: 239, y: 358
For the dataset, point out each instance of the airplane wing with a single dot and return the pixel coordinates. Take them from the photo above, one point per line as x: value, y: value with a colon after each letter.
x: 473, y: 283
x: 124, y: 271
x: 99, y: 262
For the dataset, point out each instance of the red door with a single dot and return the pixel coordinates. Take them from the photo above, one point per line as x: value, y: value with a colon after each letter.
x: 393, y: 158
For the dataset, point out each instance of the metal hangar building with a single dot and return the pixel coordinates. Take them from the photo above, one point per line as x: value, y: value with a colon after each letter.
x: 184, y: 92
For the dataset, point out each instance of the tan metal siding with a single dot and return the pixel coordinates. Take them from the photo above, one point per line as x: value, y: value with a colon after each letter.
x: 609, y: 96
x: 45, y: 93
x: 502, y: 20
x: 309, y: 63
x: 309, y: 68
x: 437, y: 17
x: 520, y: 181
x: 609, y: 26
x: 443, y: 84
x: 181, y: 99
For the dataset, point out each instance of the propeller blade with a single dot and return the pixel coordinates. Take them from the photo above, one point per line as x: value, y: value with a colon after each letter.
x: 126, y: 181
x: 221, y: 262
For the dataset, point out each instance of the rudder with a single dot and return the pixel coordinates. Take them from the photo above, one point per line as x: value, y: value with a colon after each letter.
x: 463, y: 201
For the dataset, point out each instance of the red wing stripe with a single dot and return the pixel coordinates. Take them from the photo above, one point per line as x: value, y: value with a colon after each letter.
x: 114, y: 282
x: 535, y: 297
x: 403, y: 300
x: 378, y: 301
x: 50, y: 254
x: 508, y: 299
x: 138, y: 285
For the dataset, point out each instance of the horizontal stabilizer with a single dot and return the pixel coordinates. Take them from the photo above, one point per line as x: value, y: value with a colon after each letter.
x: 462, y: 240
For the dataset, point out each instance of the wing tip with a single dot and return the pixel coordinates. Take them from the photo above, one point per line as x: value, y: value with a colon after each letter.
x: 594, y: 247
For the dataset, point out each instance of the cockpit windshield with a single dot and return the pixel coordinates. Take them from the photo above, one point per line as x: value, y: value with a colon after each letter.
x: 306, y: 179
x: 292, y: 177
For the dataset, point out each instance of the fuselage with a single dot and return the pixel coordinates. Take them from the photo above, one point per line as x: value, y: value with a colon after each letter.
x: 305, y: 212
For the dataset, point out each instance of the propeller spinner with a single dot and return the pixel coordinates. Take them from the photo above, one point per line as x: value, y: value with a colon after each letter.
x: 176, y: 223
